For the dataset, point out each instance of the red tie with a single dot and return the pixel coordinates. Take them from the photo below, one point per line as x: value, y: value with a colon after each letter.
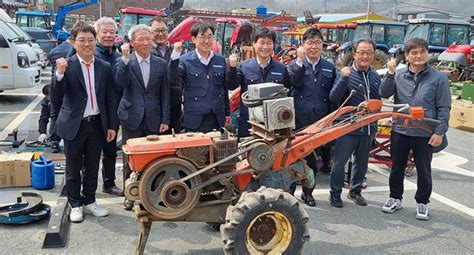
x: 88, y: 65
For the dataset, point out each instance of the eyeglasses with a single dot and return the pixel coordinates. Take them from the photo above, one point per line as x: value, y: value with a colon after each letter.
x: 205, y: 38
x: 89, y: 40
x: 314, y: 43
x: 160, y: 31
x: 365, y: 53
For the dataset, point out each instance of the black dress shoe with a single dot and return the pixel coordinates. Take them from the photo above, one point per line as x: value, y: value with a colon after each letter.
x: 308, y: 199
x: 113, y: 190
x: 128, y: 204
x: 335, y: 200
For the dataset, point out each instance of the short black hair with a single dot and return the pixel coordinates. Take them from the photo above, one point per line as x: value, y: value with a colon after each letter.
x: 45, y: 90
x: 365, y: 40
x: 157, y: 19
x: 81, y: 26
x: 201, y: 27
x: 414, y: 43
x: 263, y: 33
x: 311, y: 33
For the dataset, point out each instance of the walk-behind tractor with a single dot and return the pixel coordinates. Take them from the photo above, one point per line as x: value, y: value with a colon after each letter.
x: 211, y: 178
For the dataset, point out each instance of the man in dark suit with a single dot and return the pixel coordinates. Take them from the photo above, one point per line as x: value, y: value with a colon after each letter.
x: 145, y: 105
x: 202, y: 76
x: 262, y: 68
x: 311, y: 79
x: 162, y: 49
x: 87, y: 118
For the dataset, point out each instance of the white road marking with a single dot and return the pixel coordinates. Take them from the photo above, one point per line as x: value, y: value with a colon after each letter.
x: 19, y: 94
x: 18, y: 112
x: 21, y: 117
x: 460, y: 207
x: 100, y: 201
x: 449, y: 162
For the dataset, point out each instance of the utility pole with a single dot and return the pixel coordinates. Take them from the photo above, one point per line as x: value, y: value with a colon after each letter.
x: 368, y: 9
x: 394, y: 9
x: 324, y: 6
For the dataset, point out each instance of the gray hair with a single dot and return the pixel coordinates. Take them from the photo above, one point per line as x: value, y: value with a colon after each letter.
x: 136, y: 28
x: 104, y: 21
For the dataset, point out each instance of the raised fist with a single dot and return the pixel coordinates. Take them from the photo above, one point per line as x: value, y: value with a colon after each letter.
x: 346, y: 71
x: 392, y: 66
x: 300, y: 54
x: 178, y: 46
x: 233, y: 60
x: 61, y: 65
x: 125, y: 50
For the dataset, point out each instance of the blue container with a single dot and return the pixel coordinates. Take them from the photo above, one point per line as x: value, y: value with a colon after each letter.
x: 42, y: 173
x: 261, y: 10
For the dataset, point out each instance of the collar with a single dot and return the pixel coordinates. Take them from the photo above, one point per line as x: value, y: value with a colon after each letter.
x: 362, y: 71
x: 82, y: 61
x: 104, y: 50
x: 263, y: 65
x: 425, y: 68
x: 139, y: 59
x: 157, y: 47
x: 203, y: 59
x: 313, y: 64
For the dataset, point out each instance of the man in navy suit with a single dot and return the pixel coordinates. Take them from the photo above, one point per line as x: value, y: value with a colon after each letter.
x: 87, y: 118
x: 201, y: 73
x: 145, y: 105
x: 262, y: 68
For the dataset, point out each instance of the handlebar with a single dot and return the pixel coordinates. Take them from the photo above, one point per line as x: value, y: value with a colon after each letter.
x: 432, y: 121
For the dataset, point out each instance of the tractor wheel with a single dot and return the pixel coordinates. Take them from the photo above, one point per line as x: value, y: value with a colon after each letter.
x: 381, y: 59
x: 267, y: 221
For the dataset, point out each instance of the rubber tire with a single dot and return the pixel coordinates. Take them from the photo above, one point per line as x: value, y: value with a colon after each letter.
x: 252, y: 204
x: 381, y: 58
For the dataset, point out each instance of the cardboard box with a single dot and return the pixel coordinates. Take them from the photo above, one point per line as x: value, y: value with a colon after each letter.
x: 15, y: 170
x: 462, y: 115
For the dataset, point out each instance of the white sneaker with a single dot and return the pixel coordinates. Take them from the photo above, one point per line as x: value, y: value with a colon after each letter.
x: 96, y: 210
x: 392, y: 205
x: 76, y: 214
x: 422, y: 212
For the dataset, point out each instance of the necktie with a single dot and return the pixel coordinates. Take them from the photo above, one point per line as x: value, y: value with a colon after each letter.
x: 88, y: 66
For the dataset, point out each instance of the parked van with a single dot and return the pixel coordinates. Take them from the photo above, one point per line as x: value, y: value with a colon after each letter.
x: 18, y: 60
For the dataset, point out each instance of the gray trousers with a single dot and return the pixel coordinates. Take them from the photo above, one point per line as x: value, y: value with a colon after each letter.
x: 359, y: 145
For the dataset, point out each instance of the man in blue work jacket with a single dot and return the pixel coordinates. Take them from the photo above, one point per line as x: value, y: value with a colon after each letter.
x: 256, y: 70
x: 202, y: 75
x: 311, y: 80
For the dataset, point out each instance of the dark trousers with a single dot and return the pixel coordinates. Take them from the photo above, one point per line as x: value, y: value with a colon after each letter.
x: 422, y: 155
x: 208, y: 123
x: 109, y: 158
x: 244, y: 126
x: 359, y: 145
x: 83, y: 156
x: 175, y: 119
x: 302, y: 121
x: 141, y: 131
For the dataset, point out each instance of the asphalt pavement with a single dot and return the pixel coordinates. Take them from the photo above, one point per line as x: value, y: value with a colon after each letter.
x: 352, y: 229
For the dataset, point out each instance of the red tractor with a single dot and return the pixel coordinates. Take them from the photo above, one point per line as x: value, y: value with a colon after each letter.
x: 457, y: 61
x: 211, y: 178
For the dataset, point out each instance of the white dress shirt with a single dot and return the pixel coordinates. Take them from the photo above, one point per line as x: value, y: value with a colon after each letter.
x: 144, y: 67
x: 204, y: 60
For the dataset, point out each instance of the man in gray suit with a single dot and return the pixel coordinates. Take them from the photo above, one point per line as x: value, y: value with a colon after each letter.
x: 145, y: 105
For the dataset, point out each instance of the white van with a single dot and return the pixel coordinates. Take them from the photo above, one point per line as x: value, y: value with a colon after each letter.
x: 18, y: 60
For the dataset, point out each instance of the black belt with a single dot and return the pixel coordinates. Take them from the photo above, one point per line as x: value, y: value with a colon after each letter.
x: 91, y: 118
